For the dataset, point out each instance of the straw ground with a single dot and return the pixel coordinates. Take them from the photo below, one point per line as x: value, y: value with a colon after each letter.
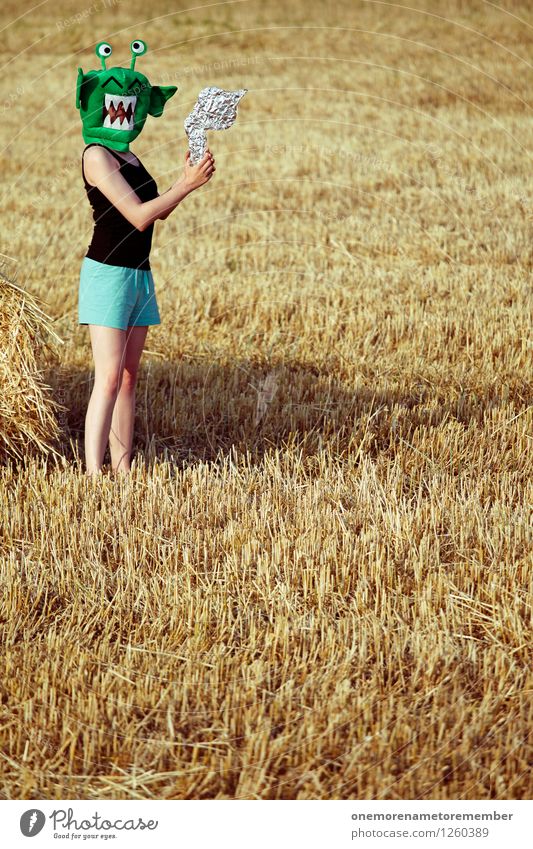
x: 316, y: 582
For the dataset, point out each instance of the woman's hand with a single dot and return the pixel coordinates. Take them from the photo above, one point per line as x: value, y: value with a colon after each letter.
x: 195, y: 176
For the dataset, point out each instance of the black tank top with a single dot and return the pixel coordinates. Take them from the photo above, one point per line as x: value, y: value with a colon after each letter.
x: 115, y: 240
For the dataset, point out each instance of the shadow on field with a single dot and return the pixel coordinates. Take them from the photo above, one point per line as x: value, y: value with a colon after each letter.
x: 194, y: 411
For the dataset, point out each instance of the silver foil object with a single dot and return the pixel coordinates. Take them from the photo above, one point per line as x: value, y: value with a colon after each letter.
x: 215, y: 109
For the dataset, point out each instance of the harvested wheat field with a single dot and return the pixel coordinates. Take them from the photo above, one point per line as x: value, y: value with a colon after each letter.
x: 316, y: 581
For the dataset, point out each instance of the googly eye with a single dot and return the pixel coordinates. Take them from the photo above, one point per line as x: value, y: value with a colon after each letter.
x: 103, y: 49
x: 138, y: 47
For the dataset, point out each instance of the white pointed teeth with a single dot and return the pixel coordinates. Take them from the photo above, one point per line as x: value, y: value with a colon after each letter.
x: 120, y: 109
x: 119, y: 123
x: 117, y: 99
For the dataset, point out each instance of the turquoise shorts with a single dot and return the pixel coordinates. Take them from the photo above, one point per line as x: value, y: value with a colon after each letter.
x: 116, y: 296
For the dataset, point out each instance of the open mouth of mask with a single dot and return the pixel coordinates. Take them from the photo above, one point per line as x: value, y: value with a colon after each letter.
x: 118, y: 111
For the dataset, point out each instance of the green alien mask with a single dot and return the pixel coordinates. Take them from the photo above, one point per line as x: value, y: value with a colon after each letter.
x: 115, y: 102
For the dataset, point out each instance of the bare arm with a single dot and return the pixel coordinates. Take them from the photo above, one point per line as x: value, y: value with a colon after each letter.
x: 102, y: 170
x: 192, y: 178
x: 171, y: 209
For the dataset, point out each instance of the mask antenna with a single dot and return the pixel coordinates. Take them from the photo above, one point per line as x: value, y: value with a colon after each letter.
x: 103, y: 50
x: 138, y: 48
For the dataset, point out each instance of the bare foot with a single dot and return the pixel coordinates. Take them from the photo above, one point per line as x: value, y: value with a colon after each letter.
x: 94, y: 473
x: 121, y: 471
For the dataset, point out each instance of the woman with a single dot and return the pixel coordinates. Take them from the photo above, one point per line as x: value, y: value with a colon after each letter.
x: 116, y: 292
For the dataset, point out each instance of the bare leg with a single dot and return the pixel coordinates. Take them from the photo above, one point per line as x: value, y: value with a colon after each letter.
x: 108, y: 344
x: 121, y: 434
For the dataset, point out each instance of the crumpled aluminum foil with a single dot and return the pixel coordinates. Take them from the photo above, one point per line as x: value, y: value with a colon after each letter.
x: 215, y: 109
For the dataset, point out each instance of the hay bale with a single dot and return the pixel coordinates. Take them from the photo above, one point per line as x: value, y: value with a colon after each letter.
x: 28, y: 420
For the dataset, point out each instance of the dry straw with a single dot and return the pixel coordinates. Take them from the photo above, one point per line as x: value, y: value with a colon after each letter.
x: 316, y: 583
x: 28, y: 421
